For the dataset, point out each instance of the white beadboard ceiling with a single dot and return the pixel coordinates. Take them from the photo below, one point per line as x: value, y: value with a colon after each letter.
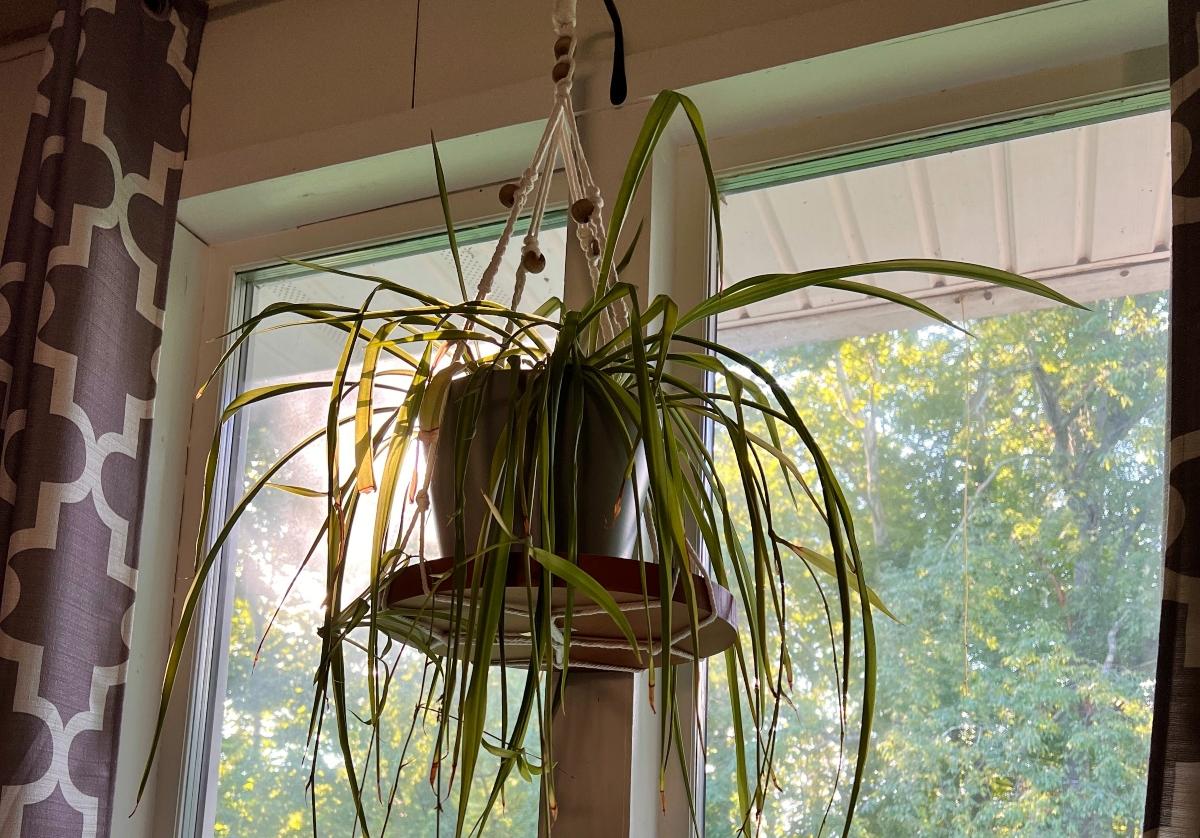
x: 1086, y: 209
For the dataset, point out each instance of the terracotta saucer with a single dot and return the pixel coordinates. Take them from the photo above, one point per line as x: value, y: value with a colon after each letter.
x: 596, y: 642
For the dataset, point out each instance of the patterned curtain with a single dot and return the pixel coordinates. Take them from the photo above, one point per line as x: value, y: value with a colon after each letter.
x: 1173, y: 790
x: 82, y: 288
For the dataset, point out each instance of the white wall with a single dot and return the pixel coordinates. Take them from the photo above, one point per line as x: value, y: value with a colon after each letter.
x: 289, y: 67
x: 303, y: 107
x: 276, y: 71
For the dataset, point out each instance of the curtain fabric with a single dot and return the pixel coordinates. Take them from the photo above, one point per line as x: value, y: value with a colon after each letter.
x: 1173, y: 790
x: 82, y: 289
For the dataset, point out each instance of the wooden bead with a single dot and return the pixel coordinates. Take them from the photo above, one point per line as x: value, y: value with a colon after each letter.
x: 582, y: 210
x: 562, y: 46
x: 508, y: 194
x: 560, y: 70
x: 533, y: 262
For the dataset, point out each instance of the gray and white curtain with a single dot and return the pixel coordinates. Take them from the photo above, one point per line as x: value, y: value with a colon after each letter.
x: 82, y: 288
x: 1173, y: 791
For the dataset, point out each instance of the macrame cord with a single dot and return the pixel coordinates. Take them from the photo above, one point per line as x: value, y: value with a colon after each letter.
x: 560, y: 141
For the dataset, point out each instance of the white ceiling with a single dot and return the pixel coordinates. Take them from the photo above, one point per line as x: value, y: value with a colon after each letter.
x: 1086, y: 209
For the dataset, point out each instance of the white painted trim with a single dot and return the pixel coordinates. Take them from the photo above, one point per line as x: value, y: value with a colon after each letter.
x: 160, y: 534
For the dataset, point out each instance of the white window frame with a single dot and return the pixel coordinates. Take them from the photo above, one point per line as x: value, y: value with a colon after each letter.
x: 191, y: 739
x: 676, y: 260
x: 743, y: 171
x: 1045, y: 97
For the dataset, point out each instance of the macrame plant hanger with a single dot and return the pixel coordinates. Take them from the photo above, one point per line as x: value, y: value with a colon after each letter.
x: 410, y: 591
x: 560, y: 141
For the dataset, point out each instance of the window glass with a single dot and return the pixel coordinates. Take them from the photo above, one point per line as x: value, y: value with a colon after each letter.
x: 263, y: 767
x: 1008, y: 486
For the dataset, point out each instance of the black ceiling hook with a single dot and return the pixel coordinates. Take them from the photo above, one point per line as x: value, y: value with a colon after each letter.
x: 618, y: 89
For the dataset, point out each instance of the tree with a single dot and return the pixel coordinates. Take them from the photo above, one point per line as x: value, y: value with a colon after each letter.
x: 1009, y: 494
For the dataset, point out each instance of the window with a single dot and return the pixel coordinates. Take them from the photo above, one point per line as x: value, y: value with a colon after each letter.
x: 1015, y: 692
x: 263, y: 730
x: 1008, y: 487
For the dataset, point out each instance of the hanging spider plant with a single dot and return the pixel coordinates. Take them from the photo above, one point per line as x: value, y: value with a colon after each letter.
x: 540, y: 448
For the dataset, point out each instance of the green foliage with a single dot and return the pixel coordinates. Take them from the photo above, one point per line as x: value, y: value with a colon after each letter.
x: 1046, y: 730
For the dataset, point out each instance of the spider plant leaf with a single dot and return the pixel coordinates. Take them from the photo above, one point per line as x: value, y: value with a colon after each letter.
x: 639, y: 159
x: 825, y: 565
x: 316, y: 542
x: 768, y: 286
x: 681, y: 751
x: 497, y: 515
x: 667, y: 521
x: 670, y: 320
x: 243, y: 400
x: 845, y: 555
x: 364, y: 453
x: 205, y: 559
x: 652, y: 433
x: 244, y: 330
x: 444, y: 197
x: 379, y: 281
x: 529, y: 701
x: 490, y: 591
x: 433, y: 406
x: 553, y: 305
x: 297, y: 490
x: 397, y: 449
x: 567, y: 494
x: 695, y: 398
x: 624, y: 261
x: 332, y: 674
x: 741, y: 769
x: 714, y: 195
x: 502, y: 753
x: 655, y: 123
x: 269, y: 391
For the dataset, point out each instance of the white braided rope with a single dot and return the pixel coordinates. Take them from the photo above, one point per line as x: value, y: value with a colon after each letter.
x: 560, y: 139
x: 590, y: 190
x: 525, y: 186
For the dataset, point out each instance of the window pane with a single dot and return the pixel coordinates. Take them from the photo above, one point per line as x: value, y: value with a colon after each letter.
x: 1008, y: 487
x: 263, y: 767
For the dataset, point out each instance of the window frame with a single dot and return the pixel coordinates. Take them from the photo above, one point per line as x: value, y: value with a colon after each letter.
x: 749, y: 162
x: 202, y: 742
x: 190, y: 752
